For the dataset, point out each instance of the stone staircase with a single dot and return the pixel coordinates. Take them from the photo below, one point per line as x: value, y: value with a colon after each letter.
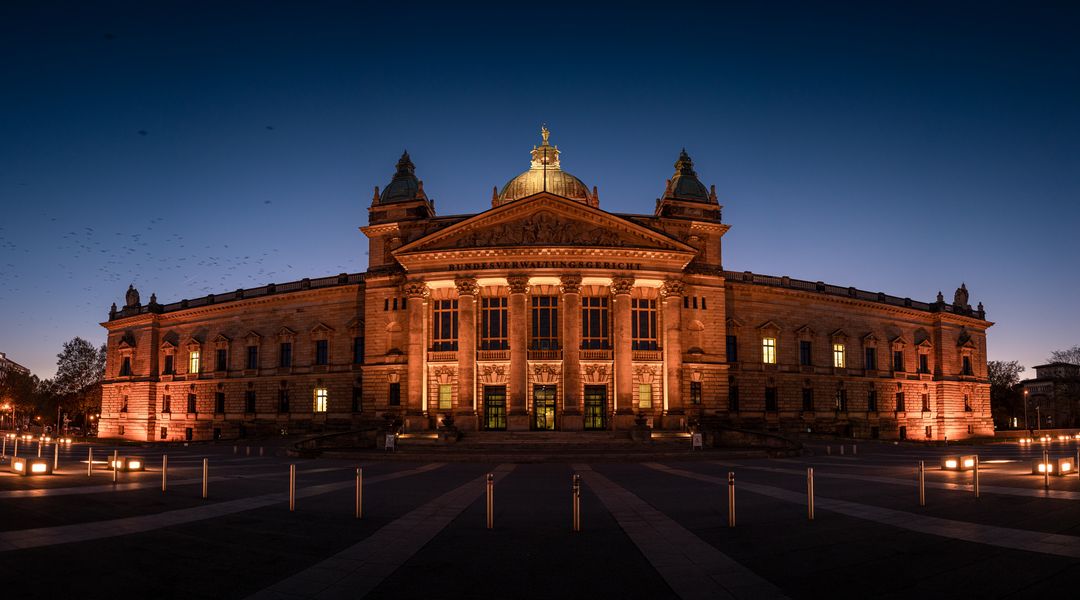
x: 525, y: 442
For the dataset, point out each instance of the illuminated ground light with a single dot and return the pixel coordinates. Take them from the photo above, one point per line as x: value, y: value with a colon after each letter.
x: 128, y: 463
x: 958, y: 463
x: 1058, y: 467
x: 31, y: 466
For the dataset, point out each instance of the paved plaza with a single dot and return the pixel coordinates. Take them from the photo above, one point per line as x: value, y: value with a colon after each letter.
x: 655, y: 529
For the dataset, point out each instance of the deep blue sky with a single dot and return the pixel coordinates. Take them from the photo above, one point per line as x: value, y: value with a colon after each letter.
x: 200, y: 147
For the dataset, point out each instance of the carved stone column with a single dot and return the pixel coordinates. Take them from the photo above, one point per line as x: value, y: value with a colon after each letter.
x: 416, y: 292
x: 467, y: 292
x: 518, y: 418
x: 623, y: 342
x: 571, y: 352
x: 673, y: 292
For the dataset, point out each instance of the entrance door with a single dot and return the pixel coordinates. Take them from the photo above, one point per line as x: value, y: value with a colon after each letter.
x: 595, y: 406
x: 544, y: 407
x: 494, y: 407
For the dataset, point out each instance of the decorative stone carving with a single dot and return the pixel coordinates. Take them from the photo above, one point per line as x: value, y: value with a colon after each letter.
x: 673, y: 287
x: 644, y: 374
x: 443, y: 375
x: 960, y: 298
x: 415, y: 289
x: 545, y: 374
x: 132, y: 297
x: 493, y: 374
x: 466, y: 286
x: 596, y: 374
x: 622, y: 285
x: 542, y: 229
x: 518, y: 284
x: 571, y: 284
x: 393, y: 377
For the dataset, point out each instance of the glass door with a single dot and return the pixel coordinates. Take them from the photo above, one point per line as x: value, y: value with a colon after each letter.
x: 494, y: 407
x: 544, y: 407
x: 595, y: 406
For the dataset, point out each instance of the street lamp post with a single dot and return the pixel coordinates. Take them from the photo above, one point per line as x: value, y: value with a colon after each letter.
x: 1027, y: 426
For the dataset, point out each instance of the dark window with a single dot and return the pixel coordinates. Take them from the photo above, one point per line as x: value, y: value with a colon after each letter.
x: 124, y: 406
x: 220, y: 362
x: 732, y: 348
x: 929, y: 432
x: 322, y: 352
x: 444, y: 325
x: 164, y: 433
x: 695, y: 302
x: 875, y: 433
x: 871, y: 401
x: 285, y: 355
x: 121, y: 430
x: 900, y: 402
x: 898, y: 361
x: 219, y: 402
x: 166, y: 403
x: 189, y: 433
x: 971, y: 429
x: 808, y: 399
x: 770, y: 399
x: 926, y: 402
x: 217, y: 433
x: 395, y: 394
x: 703, y: 307
x: 169, y: 369
x: 249, y: 401
x: 967, y: 365
x: 841, y: 400
x: 357, y: 400
x: 871, y: 358
x: 253, y: 357
x: 733, y: 398
x: 967, y: 403
x: 386, y: 304
x: 695, y: 392
x: 493, y: 324
x: 643, y: 324
x: 358, y: 350
x: 804, y: 353
x: 545, y: 323
x: 125, y: 367
x: 283, y: 401
x: 686, y: 302
x: 903, y: 432
x: 191, y: 403
x: 396, y: 303
x: 924, y: 363
x: 594, y: 323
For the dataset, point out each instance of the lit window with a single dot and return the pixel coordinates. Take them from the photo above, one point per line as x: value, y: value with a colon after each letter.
x: 695, y: 392
x: 838, y: 359
x: 444, y: 396
x: 768, y: 350
x: 645, y: 395
x: 320, y: 399
x: 193, y: 364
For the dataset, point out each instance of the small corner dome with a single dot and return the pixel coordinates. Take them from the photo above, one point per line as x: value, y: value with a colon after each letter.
x: 685, y: 184
x: 404, y: 186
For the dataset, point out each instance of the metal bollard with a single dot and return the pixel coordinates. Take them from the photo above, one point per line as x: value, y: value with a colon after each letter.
x: 975, y: 476
x: 260, y: 450
x: 841, y: 449
x: 56, y: 458
x: 854, y: 449
x: 1046, y: 470
x: 810, y: 493
x: 490, y: 500
x: 1076, y: 465
x: 247, y: 450
x: 236, y: 449
x: 4, y: 453
x: 164, y: 471
x: 39, y: 448
x: 15, y: 448
x: 115, y: 464
x: 205, y: 475
x: 292, y: 488
x: 89, y: 462
x: 730, y: 499
x: 828, y: 450
x: 359, y: 492
x: 922, y: 483
x: 575, y: 499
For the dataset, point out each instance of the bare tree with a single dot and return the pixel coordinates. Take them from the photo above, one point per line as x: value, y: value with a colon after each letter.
x: 1072, y: 355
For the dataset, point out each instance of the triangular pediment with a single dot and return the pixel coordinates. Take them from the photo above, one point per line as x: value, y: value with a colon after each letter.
x: 544, y: 220
x: 804, y: 332
x: 769, y: 325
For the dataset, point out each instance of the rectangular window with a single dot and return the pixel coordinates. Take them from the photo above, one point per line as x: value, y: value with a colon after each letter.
x: 249, y: 401
x: 444, y: 325
x: 770, y: 399
x: 395, y: 394
x: 695, y: 392
x: 971, y: 429
x: 358, y: 350
x: 594, y: 323
x: 545, y: 323
x: 898, y: 361
x: 926, y: 402
x: 164, y: 433
x: 808, y: 399
x: 924, y: 363
x: 839, y: 356
x: 445, y: 396
x: 322, y: 352
x: 124, y: 404
x: 193, y: 362
x: 966, y: 366
x: 166, y: 403
x: 732, y: 348
x: 643, y: 324
x: 903, y: 432
x: 121, y: 430
x: 321, y: 395
x: 285, y: 355
x: 871, y: 358
x: 220, y: 360
x: 871, y: 401
x: 125, y: 367
x: 841, y: 400
x: 169, y: 368
x: 900, y: 402
x: 733, y: 398
x: 191, y: 403
x: 189, y: 433
x: 252, y: 357
x: 283, y: 401
x: 929, y: 432
x: 967, y: 403
x: 219, y: 402
x: 805, y: 353
x: 493, y: 324
x: 768, y: 350
x: 357, y: 400
x: 645, y: 395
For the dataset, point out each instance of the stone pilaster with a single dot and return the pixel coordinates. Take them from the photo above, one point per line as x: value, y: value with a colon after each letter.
x: 672, y: 293
x: 467, y: 292
x: 517, y: 388
x: 416, y: 292
x: 623, y: 342
x: 571, y: 352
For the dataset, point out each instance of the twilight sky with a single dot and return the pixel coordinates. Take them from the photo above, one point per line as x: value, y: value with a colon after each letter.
x: 198, y: 147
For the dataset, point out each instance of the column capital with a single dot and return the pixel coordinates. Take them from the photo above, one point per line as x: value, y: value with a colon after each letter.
x: 518, y: 283
x: 571, y: 283
x: 673, y: 287
x: 415, y: 289
x: 622, y: 285
x: 466, y: 286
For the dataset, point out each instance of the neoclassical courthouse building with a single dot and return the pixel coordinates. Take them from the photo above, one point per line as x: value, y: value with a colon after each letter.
x: 547, y: 312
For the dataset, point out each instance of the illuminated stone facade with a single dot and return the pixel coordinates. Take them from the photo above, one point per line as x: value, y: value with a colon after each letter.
x: 547, y: 312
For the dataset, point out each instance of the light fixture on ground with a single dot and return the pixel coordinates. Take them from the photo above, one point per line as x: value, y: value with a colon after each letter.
x: 1058, y: 467
x: 31, y: 466
x: 128, y: 463
x: 958, y: 463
